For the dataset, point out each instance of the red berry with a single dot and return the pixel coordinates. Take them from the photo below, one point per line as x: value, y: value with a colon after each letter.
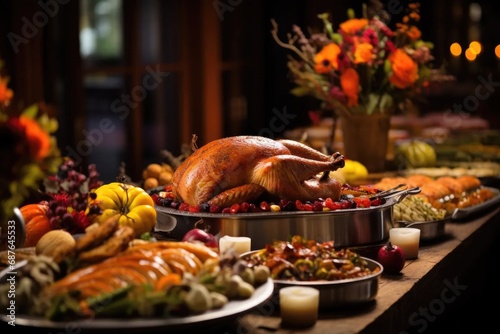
x: 308, y: 207
x: 299, y: 205
x: 345, y: 204
x: 244, y: 207
x: 362, y: 202
x: 331, y: 204
x: 194, y: 208
x: 226, y: 210
x: 235, y: 208
x: 317, y: 206
x: 265, y: 206
x: 215, y: 209
x: 254, y: 208
x: 184, y: 207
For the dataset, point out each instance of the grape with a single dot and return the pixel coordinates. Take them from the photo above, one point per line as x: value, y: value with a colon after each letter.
x: 53, y: 205
x: 67, y: 219
x: 70, y: 189
x: 54, y: 222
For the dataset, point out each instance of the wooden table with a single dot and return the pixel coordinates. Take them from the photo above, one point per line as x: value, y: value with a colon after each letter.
x: 439, y: 281
x: 444, y: 277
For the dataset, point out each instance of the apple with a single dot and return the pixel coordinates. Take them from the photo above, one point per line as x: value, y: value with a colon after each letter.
x: 391, y: 257
x: 199, y: 235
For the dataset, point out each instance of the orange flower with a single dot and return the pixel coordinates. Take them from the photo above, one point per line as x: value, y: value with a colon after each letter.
x: 38, y: 139
x: 353, y: 25
x: 6, y: 94
x: 326, y: 59
x: 349, y: 81
x: 404, y: 69
x: 414, y: 33
x: 363, y: 53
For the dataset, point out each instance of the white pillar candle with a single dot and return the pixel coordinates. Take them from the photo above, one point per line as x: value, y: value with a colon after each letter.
x: 408, y: 238
x: 299, y: 306
x: 240, y: 245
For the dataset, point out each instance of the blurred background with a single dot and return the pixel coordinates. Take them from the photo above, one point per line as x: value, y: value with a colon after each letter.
x: 128, y: 78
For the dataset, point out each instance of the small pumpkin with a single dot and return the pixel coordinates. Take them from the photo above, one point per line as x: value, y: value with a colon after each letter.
x: 133, y: 204
x: 36, y: 222
x: 55, y: 243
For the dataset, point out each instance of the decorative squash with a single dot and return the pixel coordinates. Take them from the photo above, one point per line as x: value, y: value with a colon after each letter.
x: 36, y: 222
x: 134, y: 205
x: 415, y: 154
x: 55, y: 243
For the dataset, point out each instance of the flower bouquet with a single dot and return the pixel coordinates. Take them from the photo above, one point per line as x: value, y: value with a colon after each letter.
x: 363, y: 68
x: 29, y: 150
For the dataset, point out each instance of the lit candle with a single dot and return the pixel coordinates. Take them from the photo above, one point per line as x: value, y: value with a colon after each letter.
x: 299, y: 306
x: 240, y: 245
x: 408, y: 238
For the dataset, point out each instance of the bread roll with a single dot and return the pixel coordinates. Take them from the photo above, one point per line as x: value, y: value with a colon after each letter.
x: 469, y: 182
x: 454, y: 186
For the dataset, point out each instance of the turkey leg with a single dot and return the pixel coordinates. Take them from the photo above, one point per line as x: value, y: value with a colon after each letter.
x: 295, y: 177
x: 304, y: 151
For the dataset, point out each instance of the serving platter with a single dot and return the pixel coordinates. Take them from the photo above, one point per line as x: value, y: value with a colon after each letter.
x: 341, y: 292
x: 231, y: 310
x: 347, y: 227
x: 464, y: 213
x: 346, y: 292
x: 429, y: 230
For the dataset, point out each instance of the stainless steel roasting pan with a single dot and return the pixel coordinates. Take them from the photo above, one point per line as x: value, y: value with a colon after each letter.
x: 346, y: 227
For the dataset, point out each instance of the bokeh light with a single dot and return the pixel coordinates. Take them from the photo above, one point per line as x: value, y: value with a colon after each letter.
x: 470, y: 54
x: 497, y: 51
x: 455, y: 49
x: 476, y: 47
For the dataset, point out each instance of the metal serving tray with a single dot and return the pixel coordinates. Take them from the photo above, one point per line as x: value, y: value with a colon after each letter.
x: 347, y: 227
x: 429, y: 230
x: 464, y: 213
x: 345, y: 292
x: 337, y: 293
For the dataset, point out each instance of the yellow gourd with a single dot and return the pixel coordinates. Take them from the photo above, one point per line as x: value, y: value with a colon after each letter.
x: 415, y: 154
x: 134, y: 205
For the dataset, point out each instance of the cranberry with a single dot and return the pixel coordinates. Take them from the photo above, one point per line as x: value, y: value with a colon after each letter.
x: 265, y: 206
x: 235, y: 208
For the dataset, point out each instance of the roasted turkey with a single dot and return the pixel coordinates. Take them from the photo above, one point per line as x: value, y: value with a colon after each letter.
x: 243, y: 168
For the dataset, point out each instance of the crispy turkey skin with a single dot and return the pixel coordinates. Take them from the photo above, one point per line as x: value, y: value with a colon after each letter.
x: 242, y: 168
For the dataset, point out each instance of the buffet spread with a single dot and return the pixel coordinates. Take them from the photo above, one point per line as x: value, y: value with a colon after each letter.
x: 150, y: 256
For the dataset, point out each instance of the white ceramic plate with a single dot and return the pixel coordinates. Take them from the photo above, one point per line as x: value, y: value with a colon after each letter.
x: 231, y: 310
